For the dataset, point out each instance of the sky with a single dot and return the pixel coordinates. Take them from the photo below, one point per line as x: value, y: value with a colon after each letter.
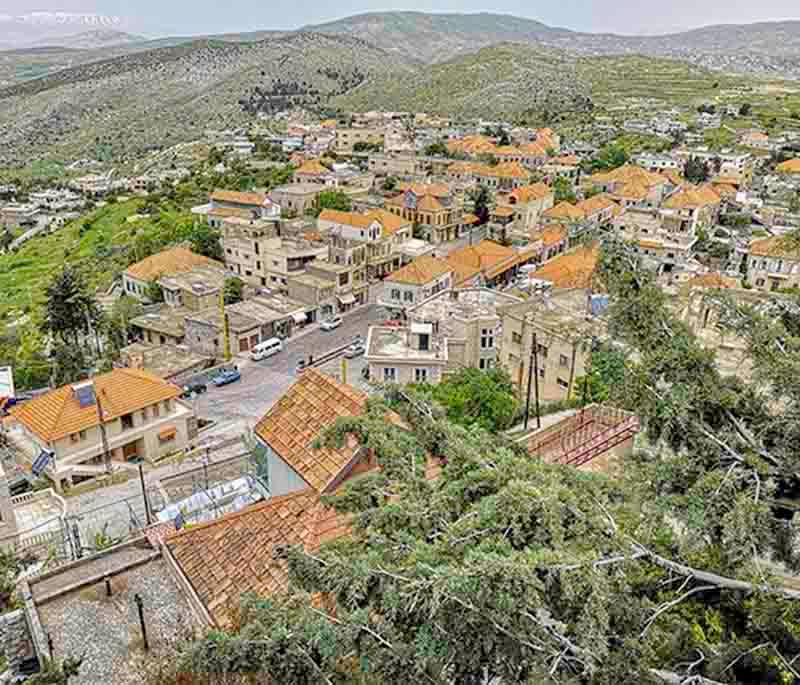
x: 184, y: 17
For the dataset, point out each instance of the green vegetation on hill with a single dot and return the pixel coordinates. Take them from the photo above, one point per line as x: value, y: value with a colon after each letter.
x: 507, y: 81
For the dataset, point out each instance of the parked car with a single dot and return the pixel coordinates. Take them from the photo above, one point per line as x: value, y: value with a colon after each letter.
x: 356, y: 349
x: 396, y: 323
x: 266, y: 349
x: 301, y: 365
x: 330, y: 324
x: 226, y: 376
x: 193, y: 389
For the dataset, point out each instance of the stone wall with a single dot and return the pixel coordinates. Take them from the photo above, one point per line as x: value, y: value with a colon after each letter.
x: 16, y: 644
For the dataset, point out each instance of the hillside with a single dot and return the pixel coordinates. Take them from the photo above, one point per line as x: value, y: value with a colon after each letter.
x: 766, y: 48
x: 129, y: 105
x: 440, y: 37
x: 90, y: 40
x: 502, y: 81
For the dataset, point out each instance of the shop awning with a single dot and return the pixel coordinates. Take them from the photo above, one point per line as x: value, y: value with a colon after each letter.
x: 348, y: 298
x: 299, y: 317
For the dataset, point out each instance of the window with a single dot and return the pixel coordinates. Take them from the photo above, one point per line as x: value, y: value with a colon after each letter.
x: 144, y: 414
x: 486, y: 363
x: 562, y: 383
x: 156, y: 411
x: 542, y: 350
x: 424, y: 342
x: 395, y: 294
x: 127, y: 421
x: 563, y: 360
x: 167, y: 406
x: 759, y: 282
x: 83, y: 435
x: 420, y: 375
x: 487, y: 338
x: 74, y: 437
x: 516, y: 338
x: 541, y: 373
x: 408, y: 296
x: 389, y: 375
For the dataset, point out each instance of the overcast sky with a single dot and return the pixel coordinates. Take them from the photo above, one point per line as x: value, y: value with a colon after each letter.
x: 183, y: 17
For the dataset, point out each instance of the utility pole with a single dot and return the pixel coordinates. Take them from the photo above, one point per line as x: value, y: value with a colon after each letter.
x: 144, y: 495
x: 536, y: 379
x: 533, y: 383
x: 103, y: 434
x: 226, y: 327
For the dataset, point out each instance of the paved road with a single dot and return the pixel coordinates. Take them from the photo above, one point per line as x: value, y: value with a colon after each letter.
x: 241, y: 404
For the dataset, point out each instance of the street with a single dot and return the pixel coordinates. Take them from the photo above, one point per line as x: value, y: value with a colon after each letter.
x: 238, y: 406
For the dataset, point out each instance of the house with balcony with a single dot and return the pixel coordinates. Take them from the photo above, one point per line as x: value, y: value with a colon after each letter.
x: 415, y: 282
x: 137, y: 415
x: 258, y: 205
x: 690, y: 209
x: 773, y: 263
x: 435, y: 208
x: 485, y: 264
x: 382, y: 232
x: 276, y: 259
x: 527, y: 204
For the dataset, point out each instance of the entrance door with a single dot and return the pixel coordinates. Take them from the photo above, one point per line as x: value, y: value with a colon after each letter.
x: 130, y: 451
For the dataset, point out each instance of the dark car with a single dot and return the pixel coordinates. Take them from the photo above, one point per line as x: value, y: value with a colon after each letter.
x: 193, y: 389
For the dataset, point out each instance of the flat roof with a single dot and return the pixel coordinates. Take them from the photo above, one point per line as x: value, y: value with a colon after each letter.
x: 391, y: 343
x: 466, y: 304
x: 168, y: 320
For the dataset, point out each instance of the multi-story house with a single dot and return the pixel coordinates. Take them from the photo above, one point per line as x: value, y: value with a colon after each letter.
x: 128, y: 412
x: 270, y: 261
x: 348, y: 138
x: 415, y: 282
x: 382, y: 232
x: 257, y: 205
x: 15, y: 215
x: 689, y: 210
x: 558, y: 326
x: 650, y: 188
x: 138, y: 277
x: 773, y: 263
x: 485, y: 264
x: 435, y: 208
x: 55, y: 200
x: 505, y: 176
x: 411, y: 354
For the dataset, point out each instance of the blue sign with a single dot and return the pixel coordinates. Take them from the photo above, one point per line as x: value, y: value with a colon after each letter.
x: 44, y: 458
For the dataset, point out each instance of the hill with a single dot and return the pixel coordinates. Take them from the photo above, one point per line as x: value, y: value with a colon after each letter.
x: 501, y: 81
x: 49, y: 28
x: 440, y: 37
x: 125, y: 106
x: 764, y: 48
x: 90, y: 40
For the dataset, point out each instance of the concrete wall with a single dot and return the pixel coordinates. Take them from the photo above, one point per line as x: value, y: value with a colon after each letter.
x: 16, y: 643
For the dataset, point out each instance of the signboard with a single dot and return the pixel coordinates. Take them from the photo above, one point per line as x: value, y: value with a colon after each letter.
x: 42, y: 461
x: 6, y: 383
x: 410, y: 200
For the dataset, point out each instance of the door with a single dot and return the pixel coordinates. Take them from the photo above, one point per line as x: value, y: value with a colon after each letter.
x: 130, y: 451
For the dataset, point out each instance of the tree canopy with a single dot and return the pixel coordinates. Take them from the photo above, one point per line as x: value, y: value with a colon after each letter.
x: 610, y: 157
x: 333, y: 199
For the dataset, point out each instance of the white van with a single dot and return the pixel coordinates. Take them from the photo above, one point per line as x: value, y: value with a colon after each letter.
x: 266, y: 349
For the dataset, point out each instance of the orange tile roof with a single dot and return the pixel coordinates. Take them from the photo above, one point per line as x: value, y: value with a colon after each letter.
x: 470, y: 219
x: 313, y: 167
x: 391, y: 222
x: 173, y: 261
x: 632, y: 191
x: 506, y: 170
x: 566, y: 160
x: 724, y: 189
x: 536, y: 191
x: 791, y: 166
x: 463, y: 167
x: 346, y: 218
x: 535, y: 149
x: 290, y: 427
x: 692, y: 197
x: 236, y: 197
x: 472, y: 145
x: 571, y: 270
x: 653, y: 244
x: 673, y: 176
x: 231, y: 212
x: 420, y: 271
x: 596, y: 204
x: 565, y: 210
x: 236, y: 554
x: 503, y: 211
x: 57, y: 414
x: 486, y: 257
x: 552, y: 235
x: 629, y: 173
x: 776, y: 246
x: 428, y: 203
